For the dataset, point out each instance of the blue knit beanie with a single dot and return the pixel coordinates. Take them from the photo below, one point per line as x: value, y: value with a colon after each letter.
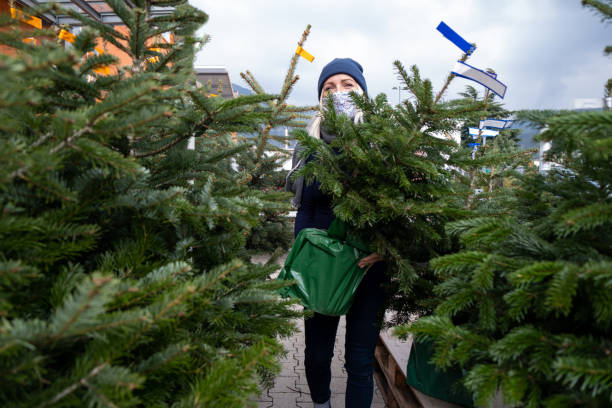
x: 346, y: 66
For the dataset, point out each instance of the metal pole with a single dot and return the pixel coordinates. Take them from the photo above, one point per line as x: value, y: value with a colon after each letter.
x: 399, y: 93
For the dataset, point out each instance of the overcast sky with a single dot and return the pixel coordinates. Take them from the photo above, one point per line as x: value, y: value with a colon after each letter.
x: 547, y: 52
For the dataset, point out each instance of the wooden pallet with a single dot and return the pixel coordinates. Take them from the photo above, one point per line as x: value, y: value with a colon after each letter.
x: 391, y: 359
x: 391, y: 379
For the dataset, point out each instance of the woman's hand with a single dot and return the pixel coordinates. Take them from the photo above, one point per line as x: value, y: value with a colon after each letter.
x: 369, y: 260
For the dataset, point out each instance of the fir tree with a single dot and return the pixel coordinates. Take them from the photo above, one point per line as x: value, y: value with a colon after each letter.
x: 121, y: 282
x: 391, y: 179
x: 526, y: 305
x: 492, y: 162
x: 494, y: 109
x: 263, y: 162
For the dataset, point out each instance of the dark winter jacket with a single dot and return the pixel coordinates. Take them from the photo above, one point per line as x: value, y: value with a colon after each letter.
x: 295, y: 186
x: 314, y: 207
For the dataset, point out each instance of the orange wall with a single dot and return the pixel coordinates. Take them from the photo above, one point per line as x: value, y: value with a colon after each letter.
x: 5, y: 9
x: 124, y: 59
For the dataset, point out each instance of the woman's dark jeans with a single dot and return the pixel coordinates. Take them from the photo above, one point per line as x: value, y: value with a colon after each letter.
x: 361, y: 334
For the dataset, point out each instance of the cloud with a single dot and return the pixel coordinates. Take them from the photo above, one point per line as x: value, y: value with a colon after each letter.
x: 547, y: 52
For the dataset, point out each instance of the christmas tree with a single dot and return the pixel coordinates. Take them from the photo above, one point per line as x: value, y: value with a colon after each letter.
x: 494, y: 160
x: 123, y: 279
x: 526, y: 303
x: 392, y: 180
x: 263, y: 162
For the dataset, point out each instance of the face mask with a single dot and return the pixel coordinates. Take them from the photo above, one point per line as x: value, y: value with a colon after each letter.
x: 343, y: 104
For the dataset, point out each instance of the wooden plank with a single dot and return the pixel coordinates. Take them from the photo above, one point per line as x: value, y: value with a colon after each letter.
x: 392, y: 380
x: 391, y: 356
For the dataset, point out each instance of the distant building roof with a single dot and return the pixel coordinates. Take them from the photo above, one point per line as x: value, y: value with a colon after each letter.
x: 96, y: 9
x: 588, y: 103
x: 213, y: 77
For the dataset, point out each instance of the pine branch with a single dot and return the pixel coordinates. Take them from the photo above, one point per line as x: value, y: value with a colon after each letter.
x: 167, y: 146
x: 250, y: 80
x: 20, y: 173
x: 592, y: 374
x: 584, y: 219
x: 599, y: 7
x: 87, y: 302
x: 561, y: 291
x: 67, y: 391
x: 162, y: 359
x: 279, y: 107
x: 449, y: 79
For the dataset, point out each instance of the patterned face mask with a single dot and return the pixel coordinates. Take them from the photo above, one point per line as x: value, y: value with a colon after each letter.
x: 344, y: 104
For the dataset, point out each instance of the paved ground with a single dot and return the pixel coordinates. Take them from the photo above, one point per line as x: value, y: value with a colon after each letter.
x: 290, y: 388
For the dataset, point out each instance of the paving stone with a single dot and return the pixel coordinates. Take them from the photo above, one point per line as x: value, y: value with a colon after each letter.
x: 283, y: 385
x: 305, y: 399
x: 337, y: 365
x: 301, y: 372
x: 287, y: 369
x: 264, y: 396
x: 338, y: 385
x: 288, y: 359
x: 337, y: 400
x: 336, y: 382
x: 298, y: 363
x: 338, y: 374
x: 286, y: 400
x: 304, y: 392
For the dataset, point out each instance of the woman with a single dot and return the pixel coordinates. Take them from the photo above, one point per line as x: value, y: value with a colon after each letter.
x: 337, y: 80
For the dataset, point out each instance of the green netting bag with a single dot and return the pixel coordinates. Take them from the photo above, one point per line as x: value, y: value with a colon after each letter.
x: 325, y: 270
